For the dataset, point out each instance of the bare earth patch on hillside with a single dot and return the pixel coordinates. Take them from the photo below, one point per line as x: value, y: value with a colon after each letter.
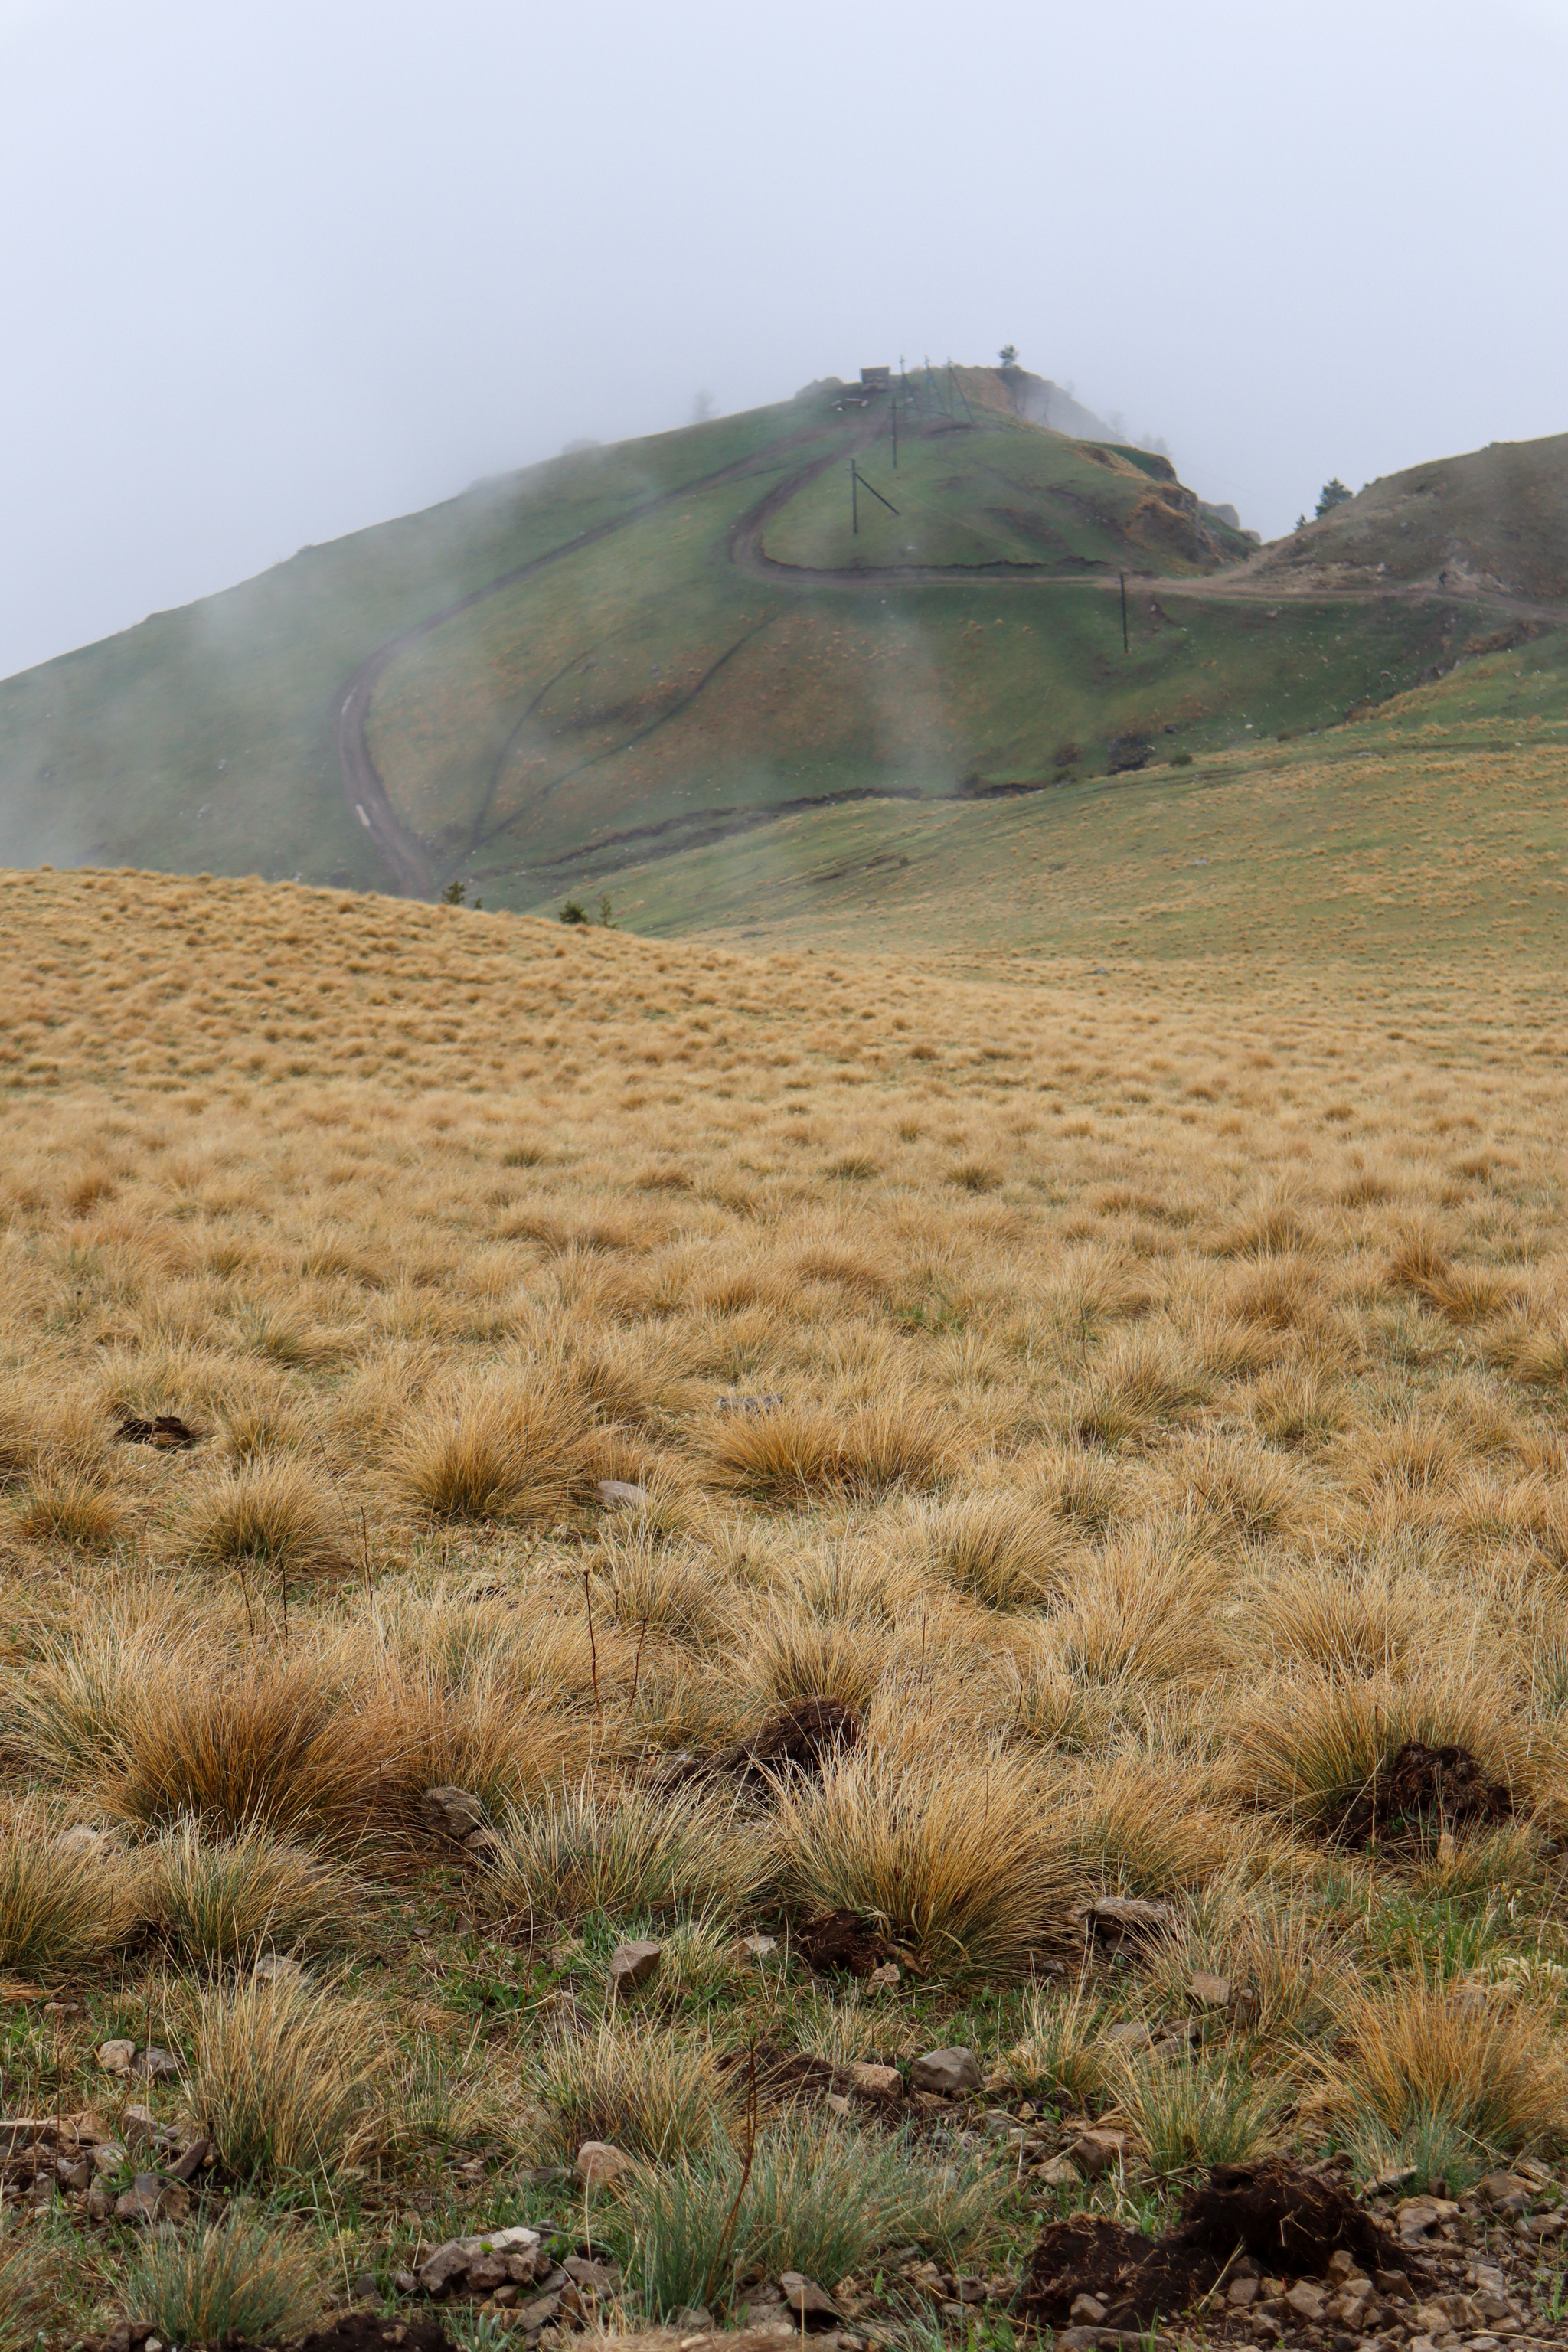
x: 924, y: 1604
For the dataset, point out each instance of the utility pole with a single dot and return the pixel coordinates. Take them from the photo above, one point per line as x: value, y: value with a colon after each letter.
x: 895, y: 428
x: 1122, y: 576
x: 858, y: 482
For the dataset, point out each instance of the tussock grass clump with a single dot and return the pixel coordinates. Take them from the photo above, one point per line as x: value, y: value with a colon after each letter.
x: 951, y: 1851
x: 654, y: 2091
x: 221, y: 1904
x: 63, y: 1907
x: 1138, y: 1829
x: 1313, y: 1747
x: 1142, y: 1382
x: 820, y: 2199
x: 271, y: 1742
x: 1143, y: 1610
x: 285, y: 2076
x: 1416, y: 2050
x: 998, y: 1548
x: 240, y: 2278
x: 494, y: 1448
x: 620, y: 1851
x: 64, y: 1506
x: 274, y: 1513
x: 790, y: 1652
x: 1061, y: 2052
x: 799, y: 1453
x: 1206, y: 2111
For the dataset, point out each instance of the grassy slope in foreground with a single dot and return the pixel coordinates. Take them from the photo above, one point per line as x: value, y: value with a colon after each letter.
x: 1172, y: 1368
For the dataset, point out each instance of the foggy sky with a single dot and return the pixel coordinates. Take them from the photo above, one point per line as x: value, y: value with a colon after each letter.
x: 273, y: 269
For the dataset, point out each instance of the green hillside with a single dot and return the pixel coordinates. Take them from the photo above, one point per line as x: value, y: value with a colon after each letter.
x: 632, y: 653
x: 1436, y: 828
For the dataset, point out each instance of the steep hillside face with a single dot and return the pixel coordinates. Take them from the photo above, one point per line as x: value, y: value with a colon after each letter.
x: 1497, y: 519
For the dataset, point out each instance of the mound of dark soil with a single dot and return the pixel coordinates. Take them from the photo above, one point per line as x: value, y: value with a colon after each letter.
x: 1138, y: 2279
x: 1289, y: 2218
x: 166, y: 1431
x: 1292, y: 2219
x: 1422, y: 1786
x: 840, y: 1940
x: 799, y: 1738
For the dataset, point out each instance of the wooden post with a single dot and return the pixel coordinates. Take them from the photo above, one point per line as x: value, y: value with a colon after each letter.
x: 854, y: 501
x: 1122, y: 576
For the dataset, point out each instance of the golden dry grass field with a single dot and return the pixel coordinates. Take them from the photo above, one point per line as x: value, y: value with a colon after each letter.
x: 1136, y: 1401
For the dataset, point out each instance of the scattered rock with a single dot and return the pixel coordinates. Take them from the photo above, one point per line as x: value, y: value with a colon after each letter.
x: 1505, y: 2193
x: 1099, y: 2151
x: 499, y: 2257
x: 276, y: 1967
x: 454, y: 1813
x: 1056, y: 2172
x: 884, y: 1979
x: 811, y: 2306
x: 102, y: 1845
x: 767, y: 1402
x: 1208, y: 1991
x: 597, y: 2278
x: 876, y: 2081
x: 154, y: 2066
x: 1132, y: 2034
x: 622, y: 1494
x: 1306, y: 2300
x: 196, y: 2157
x: 948, y: 2070
x: 1416, y: 2215
x: 1113, y: 1917
x: 633, y: 1964
x: 138, y: 2127
x: 758, y: 1947
x: 107, y: 2156
x: 599, y: 2163
x: 115, y: 2057
x: 1088, y: 2311
x: 149, y: 2198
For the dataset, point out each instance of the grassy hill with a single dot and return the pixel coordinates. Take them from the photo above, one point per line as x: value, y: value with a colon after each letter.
x: 1436, y: 824
x: 636, y: 652
x: 1498, y: 516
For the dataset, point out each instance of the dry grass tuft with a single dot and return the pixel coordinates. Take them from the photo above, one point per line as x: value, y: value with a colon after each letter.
x: 66, y: 1506
x: 799, y: 1454
x: 651, y: 2091
x: 619, y: 1852
x: 222, y: 1904
x: 952, y: 1854
x: 1000, y: 1549
x: 1418, y: 2050
x: 64, y: 1906
x: 495, y: 1448
x: 273, y: 1514
x: 285, y: 2077
x: 234, y: 2280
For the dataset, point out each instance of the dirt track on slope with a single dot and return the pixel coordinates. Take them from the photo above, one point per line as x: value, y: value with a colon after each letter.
x: 364, y: 786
